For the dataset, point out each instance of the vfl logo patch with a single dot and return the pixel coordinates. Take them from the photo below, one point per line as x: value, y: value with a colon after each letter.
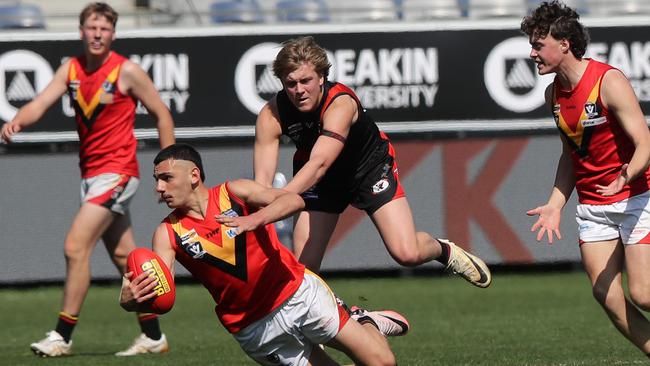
x: 192, y: 244
x: 591, y: 111
x: 380, y: 186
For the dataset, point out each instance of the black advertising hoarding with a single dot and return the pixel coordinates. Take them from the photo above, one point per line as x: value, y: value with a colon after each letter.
x: 404, y: 75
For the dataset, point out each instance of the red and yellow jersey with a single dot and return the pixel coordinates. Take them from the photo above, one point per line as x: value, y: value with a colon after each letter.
x: 599, y: 144
x: 105, y: 118
x: 248, y: 275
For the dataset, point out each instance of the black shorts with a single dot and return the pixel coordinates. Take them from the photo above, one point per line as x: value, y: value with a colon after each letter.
x: 378, y: 186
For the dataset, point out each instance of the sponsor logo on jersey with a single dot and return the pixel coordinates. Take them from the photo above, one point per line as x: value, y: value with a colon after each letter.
x: 593, y: 121
x: 229, y: 212
x: 212, y: 233
x: 231, y: 232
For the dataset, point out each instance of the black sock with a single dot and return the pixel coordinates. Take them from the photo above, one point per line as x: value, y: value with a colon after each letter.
x: 65, y: 325
x: 444, y: 255
x: 150, y: 326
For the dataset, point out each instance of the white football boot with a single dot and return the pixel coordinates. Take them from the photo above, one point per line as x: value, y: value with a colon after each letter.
x: 53, y: 345
x: 388, y: 322
x: 144, y: 344
x: 467, y: 265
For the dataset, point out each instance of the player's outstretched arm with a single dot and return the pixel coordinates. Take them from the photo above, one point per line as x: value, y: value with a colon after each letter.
x: 550, y: 214
x: 34, y: 110
x: 276, y: 204
x: 337, y: 121
x: 135, y: 82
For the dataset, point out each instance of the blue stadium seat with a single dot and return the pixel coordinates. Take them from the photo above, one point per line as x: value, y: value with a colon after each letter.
x: 346, y: 11
x: 21, y: 16
x: 430, y: 9
x: 236, y: 11
x: 621, y: 7
x: 581, y: 6
x: 310, y: 11
x: 497, y: 8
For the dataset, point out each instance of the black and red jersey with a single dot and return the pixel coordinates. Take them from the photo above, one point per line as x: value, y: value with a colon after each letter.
x: 365, y: 145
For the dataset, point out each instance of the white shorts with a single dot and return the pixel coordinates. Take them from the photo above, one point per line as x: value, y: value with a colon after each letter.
x: 111, y: 190
x: 628, y: 219
x: 287, y: 335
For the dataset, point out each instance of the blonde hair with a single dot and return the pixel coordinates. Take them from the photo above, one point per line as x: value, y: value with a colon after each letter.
x: 297, y: 51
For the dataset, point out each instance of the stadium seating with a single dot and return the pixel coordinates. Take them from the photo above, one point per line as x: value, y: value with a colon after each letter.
x: 622, y: 7
x: 302, y: 11
x: 430, y: 9
x: 346, y: 11
x: 236, y: 11
x: 21, y: 16
x: 496, y: 8
x: 63, y: 14
x: 580, y: 5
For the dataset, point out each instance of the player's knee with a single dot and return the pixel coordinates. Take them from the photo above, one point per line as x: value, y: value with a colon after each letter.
x: 607, y: 295
x: 74, y: 251
x: 640, y: 296
x: 600, y: 293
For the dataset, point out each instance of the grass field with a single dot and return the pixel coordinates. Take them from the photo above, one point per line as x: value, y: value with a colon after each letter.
x: 522, y: 319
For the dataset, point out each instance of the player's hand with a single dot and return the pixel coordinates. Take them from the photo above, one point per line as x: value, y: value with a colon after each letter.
x: 8, y: 130
x: 239, y: 224
x: 136, y: 291
x: 615, y: 186
x: 548, y: 223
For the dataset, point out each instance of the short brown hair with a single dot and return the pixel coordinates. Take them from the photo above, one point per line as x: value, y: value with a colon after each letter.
x: 561, y: 22
x: 297, y: 51
x: 98, y: 8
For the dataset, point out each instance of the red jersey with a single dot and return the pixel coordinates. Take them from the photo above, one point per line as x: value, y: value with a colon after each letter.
x: 599, y: 144
x: 105, y: 118
x: 248, y: 275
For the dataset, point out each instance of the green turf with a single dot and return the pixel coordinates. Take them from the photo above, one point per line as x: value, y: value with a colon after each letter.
x: 531, y: 319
